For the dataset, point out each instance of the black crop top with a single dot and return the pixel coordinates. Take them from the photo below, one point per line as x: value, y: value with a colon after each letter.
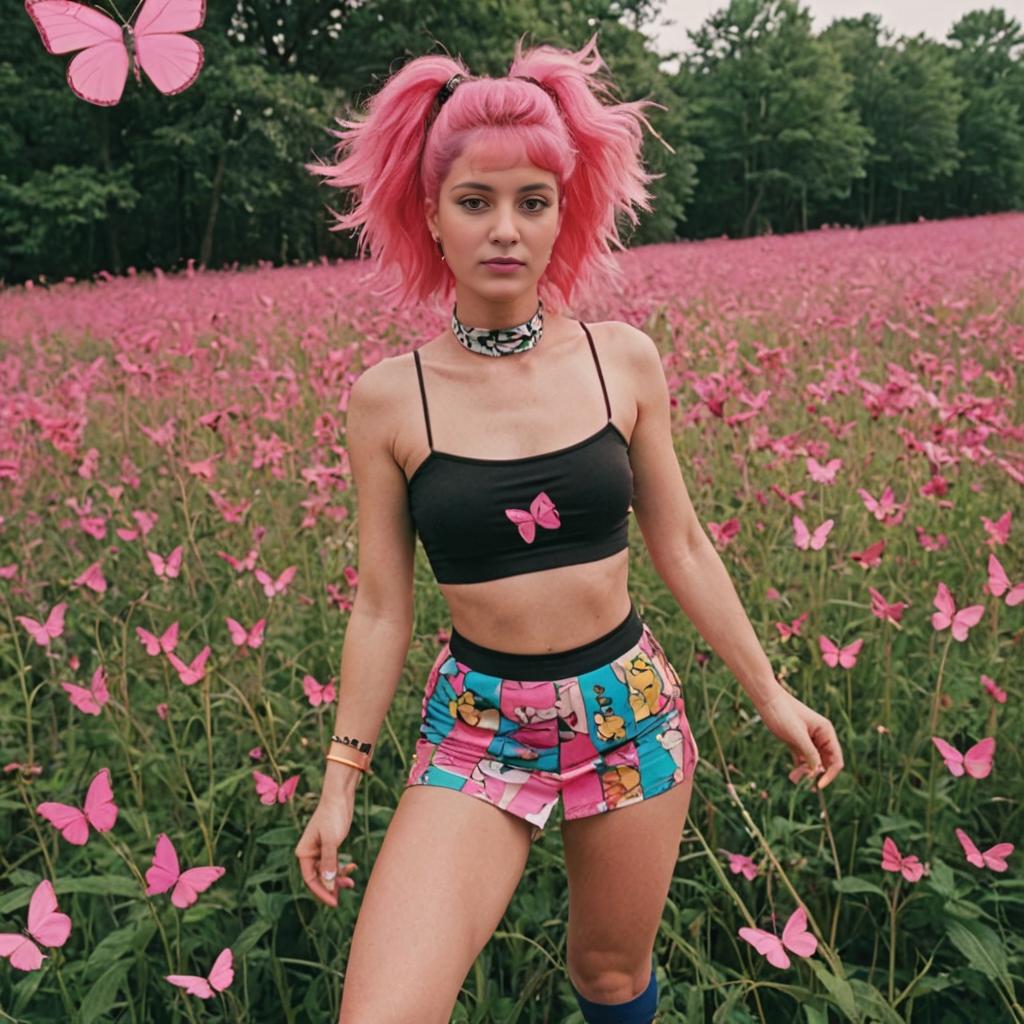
x: 485, y: 519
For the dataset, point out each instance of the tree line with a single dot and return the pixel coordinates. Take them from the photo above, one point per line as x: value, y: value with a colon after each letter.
x: 772, y: 128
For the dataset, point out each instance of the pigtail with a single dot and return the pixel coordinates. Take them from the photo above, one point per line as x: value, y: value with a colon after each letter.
x: 378, y: 159
x: 608, y: 177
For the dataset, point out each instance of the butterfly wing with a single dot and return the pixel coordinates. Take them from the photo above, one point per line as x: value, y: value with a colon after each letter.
x: 150, y: 642
x: 82, y: 698
x: 995, y: 856
x: 46, y: 924
x: 891, y: 858
x: 766, y: 944
x: 97, y: 75
x: 70, y: 821
x: 953, y: 758
x: 848, y: 655
x: 795, y: 936
x: 284, y: 793
x: 524, y: 521
x: 965, y: 619
x: 192, y: 883
x: 802, y: 535
x: 821, y: 534
x: 165, y: 870
x: 22, y: 952
x: 192, y: 984
x: 222, y: 973
x: 543, y: 510
x: 971, y: 852
x: 237, y: 630
x: 946, y: 609
x: 266, y: 787
x: 100, y: 808
x: 978, y: 759
x: 829, y: 651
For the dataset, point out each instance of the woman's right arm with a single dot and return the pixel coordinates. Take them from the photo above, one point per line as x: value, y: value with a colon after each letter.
x: 379, y: 631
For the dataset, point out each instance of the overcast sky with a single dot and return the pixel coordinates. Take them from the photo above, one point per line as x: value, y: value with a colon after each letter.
x: 904, y: 17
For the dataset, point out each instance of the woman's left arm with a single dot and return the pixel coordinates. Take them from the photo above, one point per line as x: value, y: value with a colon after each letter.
x: 684, y: 557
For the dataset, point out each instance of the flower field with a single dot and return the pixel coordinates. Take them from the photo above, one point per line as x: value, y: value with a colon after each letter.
x: 178, y: 560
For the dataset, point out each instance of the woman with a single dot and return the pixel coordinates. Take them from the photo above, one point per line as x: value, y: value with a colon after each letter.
x: 549, y: 432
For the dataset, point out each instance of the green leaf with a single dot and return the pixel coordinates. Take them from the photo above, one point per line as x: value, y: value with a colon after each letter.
x: 982, y: 948
x: 873, y: 1003
x: 103, y: 993
x: 838, y: 988
x: 284, y: 835
x: 852, y: 884
x: 251, y: 935
x: 135, y: 935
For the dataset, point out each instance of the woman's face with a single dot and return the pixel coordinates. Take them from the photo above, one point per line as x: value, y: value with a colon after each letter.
x: 482, y: 214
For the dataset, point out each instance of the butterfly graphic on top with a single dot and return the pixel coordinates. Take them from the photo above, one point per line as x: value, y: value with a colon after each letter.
x: 155, y: 43
x: 542, y: 512
x: 46, y: 925
x: 795, y: 937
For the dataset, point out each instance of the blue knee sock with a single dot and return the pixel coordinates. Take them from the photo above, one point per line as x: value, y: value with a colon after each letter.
x: 639, y: 1010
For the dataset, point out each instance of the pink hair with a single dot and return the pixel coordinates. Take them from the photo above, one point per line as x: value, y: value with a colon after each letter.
x: 395, y: 159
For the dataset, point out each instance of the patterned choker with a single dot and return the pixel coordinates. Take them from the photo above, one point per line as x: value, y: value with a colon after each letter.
x: 502, y: 341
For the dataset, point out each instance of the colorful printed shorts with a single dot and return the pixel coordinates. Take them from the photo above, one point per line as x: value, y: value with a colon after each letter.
x: 604, y: 724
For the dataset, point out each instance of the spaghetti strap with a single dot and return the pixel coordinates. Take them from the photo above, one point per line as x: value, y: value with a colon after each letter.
x: 597, y: 363
x: 423, y: 396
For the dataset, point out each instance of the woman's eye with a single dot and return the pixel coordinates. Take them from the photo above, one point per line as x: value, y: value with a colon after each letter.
x: 533, y: 199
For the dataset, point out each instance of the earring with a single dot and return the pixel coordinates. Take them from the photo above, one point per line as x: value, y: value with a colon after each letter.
x: 439, y: 249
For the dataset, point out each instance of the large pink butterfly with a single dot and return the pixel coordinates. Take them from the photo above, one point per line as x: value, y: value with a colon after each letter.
x: 994, y: 857
x: 911, y: 868
x: 100, y: 811
x: 845, y: 656
x: 804, y: 539
x: 46, y: 925
x: 53, y: 627
x: 976, y: 761
x: 542, y: 513
x: 270, y: 792
x: 795, y: 937
x: 155, y: 43
x: 221, y: 975
x: 999, y: 583
x: 947, y: 615
x: 90, y: 701
x: 165, y: 872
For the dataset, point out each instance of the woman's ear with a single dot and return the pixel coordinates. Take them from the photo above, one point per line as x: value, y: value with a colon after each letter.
x: 431, y: 211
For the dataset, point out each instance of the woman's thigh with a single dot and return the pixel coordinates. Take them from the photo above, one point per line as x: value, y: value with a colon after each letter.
x: 446, y: 871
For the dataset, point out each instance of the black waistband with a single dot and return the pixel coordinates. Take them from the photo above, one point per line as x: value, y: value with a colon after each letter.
x: 553, y: 665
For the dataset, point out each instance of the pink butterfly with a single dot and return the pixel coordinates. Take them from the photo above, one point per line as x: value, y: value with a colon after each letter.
x: 246, y: 564
x: 977, y: 761
x: 845, y: 656
x: 870, y: 557
x: 741, y: 863
x: 318, y: 694
x: 823, y: 474
x: 270, y: 792
x: 53, y: 627
x: 167, y: 568
x: 272, y: 587
x: 947, y: 615
x: 191, y: 673
x: 221, y: 975
x: 994, y: 857
x: 723, y: 534
x: 165, y: 872
x: 910, y: 867
x: 172, y: 61
x: 795, y: 937
x: 793, y: 628
x: 995, y: 690
x: 90, y: 701
x: 92, y: 578
x: 240, y: 636
x: 999, y: 583
x: 883, y: 610
x: 804, y: 539
x: 154, y: 644
x: 46, y: 925
x: 542, y: 513
x: 100, y: 811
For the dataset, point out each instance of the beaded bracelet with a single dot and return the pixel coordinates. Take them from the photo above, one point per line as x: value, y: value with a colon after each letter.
x: 362, y: 747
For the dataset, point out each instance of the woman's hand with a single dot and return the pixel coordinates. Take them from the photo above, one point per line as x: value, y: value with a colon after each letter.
x: 810, y: 737
x: 317, y: 850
